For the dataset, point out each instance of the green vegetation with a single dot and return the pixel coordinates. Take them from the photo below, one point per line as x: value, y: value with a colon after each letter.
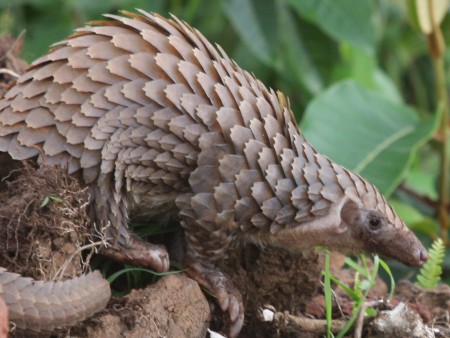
x: 365, y: 280
x: 51, y: 197
x: 430, y: 274
x: 366, y: 78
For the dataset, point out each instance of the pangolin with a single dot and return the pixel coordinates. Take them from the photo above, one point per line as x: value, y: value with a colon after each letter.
x: 155, y: 119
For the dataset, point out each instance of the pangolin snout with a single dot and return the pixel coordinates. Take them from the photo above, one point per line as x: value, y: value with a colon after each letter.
x: 421, y: 256
x: 403, y: 246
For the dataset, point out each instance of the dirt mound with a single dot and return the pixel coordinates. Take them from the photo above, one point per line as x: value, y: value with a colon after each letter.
x: 175, y: 306
x: 43, y: 223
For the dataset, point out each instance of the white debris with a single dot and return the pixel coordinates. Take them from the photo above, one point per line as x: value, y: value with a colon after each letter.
x: 268, y: 315
x: 400, y: 322
x: 213, y: 334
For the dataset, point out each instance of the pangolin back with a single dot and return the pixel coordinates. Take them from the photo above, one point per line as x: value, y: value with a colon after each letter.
x: 135, y: 101
x: 132, y: 103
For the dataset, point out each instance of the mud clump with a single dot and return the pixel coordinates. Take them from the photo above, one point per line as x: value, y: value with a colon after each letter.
x: 174, y: 306
x: 275, y: 277
x: 43, y: 223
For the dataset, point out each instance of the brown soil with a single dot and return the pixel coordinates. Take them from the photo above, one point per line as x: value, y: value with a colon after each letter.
x: 43, y: 220
x: 173, y: 307
x: 275, y: 277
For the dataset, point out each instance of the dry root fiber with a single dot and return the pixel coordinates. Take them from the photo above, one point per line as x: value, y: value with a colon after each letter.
x: 43, y: 223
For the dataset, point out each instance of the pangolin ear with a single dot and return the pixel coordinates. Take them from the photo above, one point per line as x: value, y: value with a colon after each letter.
x: 349, y: 212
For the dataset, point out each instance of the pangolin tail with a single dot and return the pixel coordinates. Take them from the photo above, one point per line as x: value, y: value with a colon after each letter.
x: 40, y: 306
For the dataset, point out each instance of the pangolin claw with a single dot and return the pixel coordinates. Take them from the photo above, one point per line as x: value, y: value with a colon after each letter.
x: 227, y: 296
x: 236, y: 313
x: 140, y: 252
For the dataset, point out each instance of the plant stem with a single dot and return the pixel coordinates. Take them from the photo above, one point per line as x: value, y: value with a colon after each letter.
x: 327, y: 292
x: 444, y: 184
x: 437, y: 48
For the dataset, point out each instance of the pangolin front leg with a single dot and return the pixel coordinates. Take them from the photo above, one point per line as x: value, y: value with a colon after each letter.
x: 208, y: 236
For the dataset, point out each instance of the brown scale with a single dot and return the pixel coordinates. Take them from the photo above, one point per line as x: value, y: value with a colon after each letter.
x: 155, y: 118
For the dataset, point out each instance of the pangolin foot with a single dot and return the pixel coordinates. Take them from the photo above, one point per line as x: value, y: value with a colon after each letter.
x: 227, y: 296
x: 139, y: 252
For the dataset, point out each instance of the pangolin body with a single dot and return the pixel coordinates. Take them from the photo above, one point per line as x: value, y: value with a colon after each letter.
x: 155, y: 118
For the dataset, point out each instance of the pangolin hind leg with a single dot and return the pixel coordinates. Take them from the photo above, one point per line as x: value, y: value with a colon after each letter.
x: 133, y: 250
x: 207, y: 242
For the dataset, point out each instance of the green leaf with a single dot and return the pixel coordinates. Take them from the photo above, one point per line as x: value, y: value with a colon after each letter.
x: 386, y: 87
x: 44, y: 31
x: 357, y: 64
x: 45, y: 202
x: 328, y: 291
x: 371, y: 312
x: 391, y: 277
x: 366, y: 133
x: 362, y: 67
x: 344, y: 20
x: 355, y: 266
x: 243, y: 17
x: 296, y: 59
x: 415, y: 219
x: 355, y: 295
x: 350, y: 322
x: 117, y: 274
x: 423, y: 182
x: 373, y: 277
x: 430, y: 274
x: 51, y: 197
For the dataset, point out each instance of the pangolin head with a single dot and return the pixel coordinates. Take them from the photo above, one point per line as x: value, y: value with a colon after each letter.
x: 372, y: 222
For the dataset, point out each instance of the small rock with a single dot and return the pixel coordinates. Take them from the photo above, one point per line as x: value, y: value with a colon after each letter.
x: 3, y: 319
x: 399, y: 322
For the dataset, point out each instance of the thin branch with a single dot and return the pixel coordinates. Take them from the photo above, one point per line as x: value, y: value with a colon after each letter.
x: 361, y: 316
x: 9, y: 72
x: 13, y: 46
x: 437, y: 49
x: 425, y: 200
x: 290, y: 323
x: 92, y: 245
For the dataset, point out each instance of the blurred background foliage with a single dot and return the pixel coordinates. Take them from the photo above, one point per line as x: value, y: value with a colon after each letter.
x: 358, y: 74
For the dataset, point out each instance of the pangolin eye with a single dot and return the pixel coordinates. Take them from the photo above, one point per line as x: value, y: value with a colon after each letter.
x: 374, y: 223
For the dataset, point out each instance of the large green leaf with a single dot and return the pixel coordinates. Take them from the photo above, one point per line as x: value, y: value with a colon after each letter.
x: 344, y: 20
x: 415, y: 219
x: 365, y: 132
x: 362, y: 67
x: 296, y: 59
x: 243, y: 17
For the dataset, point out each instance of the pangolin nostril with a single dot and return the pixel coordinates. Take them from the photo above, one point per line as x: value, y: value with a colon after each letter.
x: 423, y: 256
